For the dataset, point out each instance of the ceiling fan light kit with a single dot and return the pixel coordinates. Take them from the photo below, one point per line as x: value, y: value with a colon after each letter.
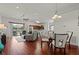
x: 56, y: 15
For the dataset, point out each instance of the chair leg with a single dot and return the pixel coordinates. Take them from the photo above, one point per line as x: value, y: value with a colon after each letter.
x: 64, y: 51
x: 48, y: 44
x: 41, y: 44
x: 54, y: 50
x: 69, y: 45
x: 51, y: 46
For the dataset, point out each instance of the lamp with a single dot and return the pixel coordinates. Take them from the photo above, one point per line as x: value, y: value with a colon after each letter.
x: 2, y: 26
x: 56, y: 15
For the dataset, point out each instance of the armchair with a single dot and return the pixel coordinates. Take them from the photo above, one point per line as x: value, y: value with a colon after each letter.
x: 31, y: 37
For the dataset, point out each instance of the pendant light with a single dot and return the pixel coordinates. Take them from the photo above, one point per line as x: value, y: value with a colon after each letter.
x: 56, y: 15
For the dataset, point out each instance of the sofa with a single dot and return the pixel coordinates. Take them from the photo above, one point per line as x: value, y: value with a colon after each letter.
x: 31, y: 36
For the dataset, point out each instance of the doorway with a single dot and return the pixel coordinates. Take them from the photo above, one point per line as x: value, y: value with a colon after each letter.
x: 17, y: 28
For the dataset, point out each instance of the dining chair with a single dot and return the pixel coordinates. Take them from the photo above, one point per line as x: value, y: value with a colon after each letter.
x: 44, y: 38
x: 60, y: 42
x: 47, y: 37
x: 51, y: 37
x: 70, y: 33
x: 51, y: 34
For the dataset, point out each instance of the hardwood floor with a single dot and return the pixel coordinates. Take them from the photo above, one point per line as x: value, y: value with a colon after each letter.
x: 13, y: 47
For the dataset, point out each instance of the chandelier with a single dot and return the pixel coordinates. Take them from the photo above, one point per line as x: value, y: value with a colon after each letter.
x: 56, y: 15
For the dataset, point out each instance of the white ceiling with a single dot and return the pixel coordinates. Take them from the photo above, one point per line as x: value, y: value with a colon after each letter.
x: 36, y: 11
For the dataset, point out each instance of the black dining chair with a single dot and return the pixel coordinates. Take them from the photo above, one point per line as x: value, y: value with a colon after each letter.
x: 70, y: 33
x: 60, y: 42
x: 51, y: 38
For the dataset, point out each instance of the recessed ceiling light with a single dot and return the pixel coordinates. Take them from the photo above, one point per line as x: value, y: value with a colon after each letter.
x: 17, y: 6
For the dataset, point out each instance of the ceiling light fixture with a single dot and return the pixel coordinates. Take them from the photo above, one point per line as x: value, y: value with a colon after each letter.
x: 56, y: 15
